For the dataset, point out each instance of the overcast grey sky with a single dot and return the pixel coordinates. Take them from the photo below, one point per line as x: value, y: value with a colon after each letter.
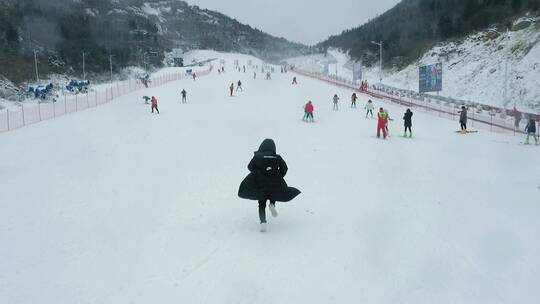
x: 306, y: 21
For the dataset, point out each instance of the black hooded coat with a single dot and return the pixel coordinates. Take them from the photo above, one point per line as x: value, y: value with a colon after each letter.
x: 408, y: 118
x: 266, y: 178
x: 531, y: 126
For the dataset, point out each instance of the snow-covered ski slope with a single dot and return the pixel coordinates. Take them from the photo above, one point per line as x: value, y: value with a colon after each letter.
x: 116, y: 205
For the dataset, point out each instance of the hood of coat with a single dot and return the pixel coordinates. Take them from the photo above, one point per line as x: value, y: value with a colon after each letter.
x: 267, y: 147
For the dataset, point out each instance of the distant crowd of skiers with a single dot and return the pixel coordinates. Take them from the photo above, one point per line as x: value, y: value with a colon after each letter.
x: 383, y: 118
x: 382, y: 115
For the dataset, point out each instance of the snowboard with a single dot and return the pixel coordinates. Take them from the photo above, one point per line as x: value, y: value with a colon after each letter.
x: 473, y: 131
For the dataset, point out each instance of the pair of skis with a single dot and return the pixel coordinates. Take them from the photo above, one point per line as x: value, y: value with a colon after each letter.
x: 468, y: 132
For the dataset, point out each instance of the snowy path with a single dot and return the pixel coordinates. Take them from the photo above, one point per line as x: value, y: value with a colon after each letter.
x: 115, y: 205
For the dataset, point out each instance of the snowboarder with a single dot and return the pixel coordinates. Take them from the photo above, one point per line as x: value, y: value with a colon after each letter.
x: 268, y: 76
x: 265, y: 182
x: 463, y: 119
x: 294, y: 80
x: 531, y: 130
x: 231, y: 89
x: 353, y: 100
x: 408, y: 122
x: 154, y: 104
x: 184, y: 95
x: 369, y: 108
x: 239, y: 86
x: 336, y: 99
x: 308, y: 111
x: 146, y: 99
x: 194, y: 76
x: 382, y: 123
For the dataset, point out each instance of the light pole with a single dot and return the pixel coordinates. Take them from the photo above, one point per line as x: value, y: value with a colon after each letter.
x: 35, y: 63
x: 505, y: 101
x: 110, y: 64
x: 380, y: 44
x: 144, y: 61
x: 83, y: 66
x: 145, y: 55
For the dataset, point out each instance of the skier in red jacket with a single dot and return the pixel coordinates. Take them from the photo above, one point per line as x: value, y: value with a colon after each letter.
x: 308, y: 109
x: 383, y: 121
x: 154, y: 104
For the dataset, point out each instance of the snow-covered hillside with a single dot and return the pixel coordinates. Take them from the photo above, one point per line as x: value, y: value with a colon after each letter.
x: 117, y: 205
x: 473, y: 69
x: 337, y: 61
x: 199, y: 55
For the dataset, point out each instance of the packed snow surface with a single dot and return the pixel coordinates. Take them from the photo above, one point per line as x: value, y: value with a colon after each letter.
x: 116, y: 205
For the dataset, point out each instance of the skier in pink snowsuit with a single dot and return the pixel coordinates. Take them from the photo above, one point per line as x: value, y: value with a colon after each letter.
x: 154, y: 104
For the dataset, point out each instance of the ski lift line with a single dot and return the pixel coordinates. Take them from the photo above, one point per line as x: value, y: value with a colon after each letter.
x: 401, y: 102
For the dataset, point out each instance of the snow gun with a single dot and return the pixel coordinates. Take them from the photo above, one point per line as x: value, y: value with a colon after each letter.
x: 76, y: 87
x: 41, y: 91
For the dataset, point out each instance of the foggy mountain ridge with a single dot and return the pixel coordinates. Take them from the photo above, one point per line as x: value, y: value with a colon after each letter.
x: 135, y: 32
x: 412, y: 27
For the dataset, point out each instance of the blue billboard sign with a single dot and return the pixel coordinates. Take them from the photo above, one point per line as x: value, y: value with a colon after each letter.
x: 430, y: 77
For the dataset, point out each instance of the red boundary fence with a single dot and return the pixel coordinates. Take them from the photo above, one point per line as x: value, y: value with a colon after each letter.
x: 483, y: 118
x: 68, y: 103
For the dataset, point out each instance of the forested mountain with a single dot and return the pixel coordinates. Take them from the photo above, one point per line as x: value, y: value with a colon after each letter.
x: 414, y: 26
x: 133, y: 31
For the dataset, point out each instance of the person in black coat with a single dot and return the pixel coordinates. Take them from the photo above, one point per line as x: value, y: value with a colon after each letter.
x: 266, y: 180
x: 530, y: 129
x: 463, y: 119
x: 184, y: 96
x: 407, y: 118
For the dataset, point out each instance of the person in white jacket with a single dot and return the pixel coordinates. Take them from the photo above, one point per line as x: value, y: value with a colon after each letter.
x: 369, y: 108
